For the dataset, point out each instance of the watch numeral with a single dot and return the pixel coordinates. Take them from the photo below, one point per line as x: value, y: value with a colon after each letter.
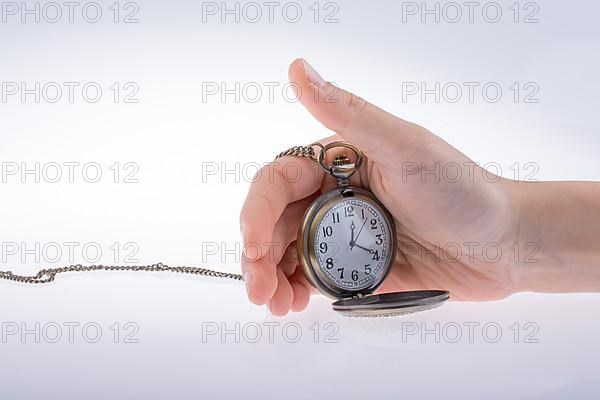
x: 379, y: 239
x: 335, y: 217
x: 349, y: 211
x: 367, y: 269
x: 373, y: 223
x: 376, y: 255
x: 341, y: 271
x: 362, y: 210
x: 323, y: 247
x: 329, y: 263
x: 354, y: 275
x: 327, y: 231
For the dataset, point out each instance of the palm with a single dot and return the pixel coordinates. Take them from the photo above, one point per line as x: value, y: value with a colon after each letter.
x: 440, y: 245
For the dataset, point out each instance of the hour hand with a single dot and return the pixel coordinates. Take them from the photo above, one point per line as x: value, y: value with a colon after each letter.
x: 352, y: 227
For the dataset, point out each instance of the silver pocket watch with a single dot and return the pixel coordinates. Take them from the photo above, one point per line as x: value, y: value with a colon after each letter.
x: 347, y: 243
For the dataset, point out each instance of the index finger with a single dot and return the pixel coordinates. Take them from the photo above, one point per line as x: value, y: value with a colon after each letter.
x: 277, y: 184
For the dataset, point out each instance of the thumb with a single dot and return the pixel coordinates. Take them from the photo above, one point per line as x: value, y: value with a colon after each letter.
x: 377, y: 133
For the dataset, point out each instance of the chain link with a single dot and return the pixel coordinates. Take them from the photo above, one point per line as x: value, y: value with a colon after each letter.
x: 301, y: 151
x: 48, y: 275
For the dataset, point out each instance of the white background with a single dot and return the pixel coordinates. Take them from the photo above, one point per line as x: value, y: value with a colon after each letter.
x: 172, y: 134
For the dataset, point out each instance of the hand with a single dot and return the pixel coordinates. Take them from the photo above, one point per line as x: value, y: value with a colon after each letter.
x: 433, y: 216
x: 457, y: 224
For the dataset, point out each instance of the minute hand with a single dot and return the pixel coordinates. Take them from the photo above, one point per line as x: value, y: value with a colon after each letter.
x: 359, y: 231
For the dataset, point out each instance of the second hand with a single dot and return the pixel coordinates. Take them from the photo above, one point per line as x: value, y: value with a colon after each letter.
x: 353, y: 243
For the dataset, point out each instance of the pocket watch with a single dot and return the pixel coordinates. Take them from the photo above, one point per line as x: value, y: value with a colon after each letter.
x: 346, y: 246
x: 347, y: 243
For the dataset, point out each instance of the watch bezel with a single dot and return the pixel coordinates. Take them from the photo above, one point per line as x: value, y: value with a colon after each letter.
x: 305, y: 243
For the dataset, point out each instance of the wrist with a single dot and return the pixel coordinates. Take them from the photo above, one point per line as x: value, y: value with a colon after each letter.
x: 556, y: 236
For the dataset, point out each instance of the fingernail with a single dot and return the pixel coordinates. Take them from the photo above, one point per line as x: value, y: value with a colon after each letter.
x: 312, y: 75
x: 248, y: 281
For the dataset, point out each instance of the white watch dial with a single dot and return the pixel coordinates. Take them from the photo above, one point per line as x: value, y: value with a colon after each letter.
x: 352, y: 244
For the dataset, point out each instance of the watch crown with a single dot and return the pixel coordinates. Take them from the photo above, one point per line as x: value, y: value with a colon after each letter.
x: 341, y: 159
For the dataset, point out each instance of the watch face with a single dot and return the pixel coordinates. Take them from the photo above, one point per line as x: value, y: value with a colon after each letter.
x: 353, y: 244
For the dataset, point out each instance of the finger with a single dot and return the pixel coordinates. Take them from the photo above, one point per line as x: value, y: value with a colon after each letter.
x: 301, y: 297
x: 302, y: 289
x: 282, y: 300
x: 376, y: 132
x: 279, y: 183
x: 264, y: 285
x: 273, y: 189
x: 284, y: 181
x: 260, y: 280
x: 276, y: 185
x: 286, y: 229
x: 289, y: 262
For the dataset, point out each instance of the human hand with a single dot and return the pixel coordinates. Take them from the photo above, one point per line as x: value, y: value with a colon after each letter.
x: 456, y: 227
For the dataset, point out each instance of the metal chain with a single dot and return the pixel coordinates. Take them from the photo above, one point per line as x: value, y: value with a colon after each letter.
x: 48, y: 275
x: 301, y: 151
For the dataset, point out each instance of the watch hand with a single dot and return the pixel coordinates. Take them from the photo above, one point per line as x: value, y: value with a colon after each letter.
x: 364, y: 248
x: 352, y: 227
x: 360, y: 230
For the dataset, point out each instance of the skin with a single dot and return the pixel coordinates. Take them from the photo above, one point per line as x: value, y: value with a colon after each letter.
x: 480, y: 236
